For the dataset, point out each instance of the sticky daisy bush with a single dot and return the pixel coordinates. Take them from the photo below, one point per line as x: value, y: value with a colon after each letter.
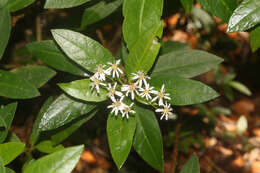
x: 146, y: 82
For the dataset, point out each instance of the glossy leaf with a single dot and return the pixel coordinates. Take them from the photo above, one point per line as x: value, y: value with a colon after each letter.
x: 2, y: 168
x: 220, y: 8
x: 143, y: 54
x: 240, y: 87
x: 36, y: 75
x: 184, y: 91
x: 3, y: 3
x: 5, y: 25
x: 120, y: 133
x: 148, y: 139
x: 10, y: 150
x: 59, y: 162
x: 255, y: 39
x: 64, y: 133
x: 81, y: 89
x: 15, y: 5
x: 187, y: 4
x: 139, y: 17
x: 48, y: 147
x: 170, y: 46
x: 12, y: 86
x: 62, y: 111
x: 7, y: 115
x: 245, y: 16
x: 63, y: 3
x: 36, y: 129
x: 192, y: 165
x: 8, y: 170
x: 49, y: 53
x: 85, y: 51
x: 98, y: 12
x: 185, y: 63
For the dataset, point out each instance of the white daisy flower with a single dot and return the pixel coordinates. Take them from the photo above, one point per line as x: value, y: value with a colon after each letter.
x: 140, y: 77
x: 112, y: 91
x: 130, y: 88
x: 127, y: 110
x: 166, y: 111
x: 95, y: 83
x: 147, y: 91
x: 114, y: 69
x: 101, y: 73
x: 117, y: 105
x: 161, y: 95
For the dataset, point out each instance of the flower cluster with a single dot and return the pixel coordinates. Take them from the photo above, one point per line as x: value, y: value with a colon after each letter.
x: 138, y: 87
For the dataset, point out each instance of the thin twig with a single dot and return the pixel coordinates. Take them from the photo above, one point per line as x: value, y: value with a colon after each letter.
x: 101, y: 38
x: 218, y: 169
x: 38, y: 29
x: 175, y: 148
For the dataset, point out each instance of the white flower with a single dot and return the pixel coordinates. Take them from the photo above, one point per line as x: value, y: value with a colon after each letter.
x: 112, y: 91
x: 127, y: 110
x: 95, y: 83
x: 130, y: 88
x: 161, y: 95
x: 101, y: 73
x: 117, y: 105
x: 147, y: 91
x: 114, y: 69
x: 166, y: 111
x: 140, y: 77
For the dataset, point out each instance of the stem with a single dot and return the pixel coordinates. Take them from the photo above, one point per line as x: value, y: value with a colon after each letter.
x: 175, y: 148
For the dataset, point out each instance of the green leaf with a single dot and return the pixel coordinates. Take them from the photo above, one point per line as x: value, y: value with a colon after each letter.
x: 36, y: 75
x: 255, y: 39
x: 185, y: 63
x: 3, y: 3
x: 36, y: 126
x: 48, y: 147
x: 187, y: 4
x: 139, y: 17
x: 2, y: 124
x: 98, y: 12
x: 240, y: 87
x: 148, y: 139
x: 59, y: 162
x: 143, y: 54
x: 170, y: 46
x: 85, y: 51
x: 120, y: 133
x: 5, y: 25
x: 64, y: 133
x: 12, y: 86
x: 2, y: 168
x: 63, y: 3
x: 184, y: 91
x: 220, y: 8
x: 10, y: 150
x: 8, y: 170
x: 241, y: 125
x: 62, y: 111
x: 12, y: 137
x: 192, y: 165
x: 245, y: 16
x: 7, y: 115
x: 15, y: 5
x: 49, y: 53
x: 81, y: 89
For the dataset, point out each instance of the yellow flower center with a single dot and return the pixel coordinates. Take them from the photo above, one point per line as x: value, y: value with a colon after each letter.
x: 96, y: 81
x: 114, y: 66
x: 166, y: 110
x: 112, y: 91
x: 132, y: 87
x: 160, y: 95
x: 100, y: 70
x: 127, y: 109
x: 141, y: 76
x: 118, y: 104
x: 146, y: 91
